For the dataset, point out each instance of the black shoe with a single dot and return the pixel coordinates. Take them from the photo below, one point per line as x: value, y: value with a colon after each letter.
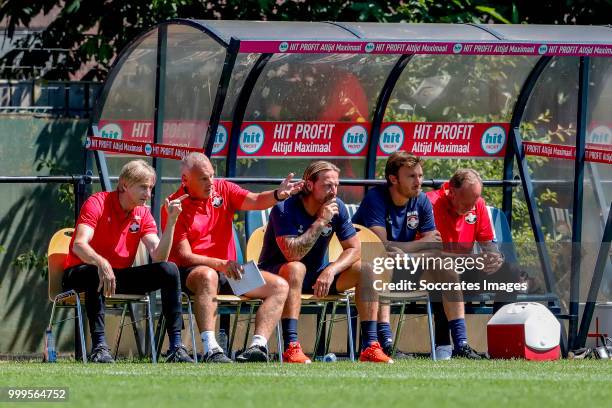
x: 465, y: 351
x: 101, y: 354
x: 399, y: 355
x: 216, y: 356
x: 253, y: 354
x: 178, y: 355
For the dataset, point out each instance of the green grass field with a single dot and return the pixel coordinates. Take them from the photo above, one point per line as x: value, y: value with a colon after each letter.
x: 410, y: 383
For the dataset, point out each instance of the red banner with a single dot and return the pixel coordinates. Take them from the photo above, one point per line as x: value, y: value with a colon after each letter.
x: 444, y: 139
x: 189, y: 133
x: 557, y: 151
x: 176, y: 133
x: 303, y: 139
x: 322, y: 139
x: 138, y: 148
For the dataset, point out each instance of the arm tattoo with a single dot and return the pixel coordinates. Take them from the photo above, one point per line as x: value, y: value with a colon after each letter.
x: 295, y: 248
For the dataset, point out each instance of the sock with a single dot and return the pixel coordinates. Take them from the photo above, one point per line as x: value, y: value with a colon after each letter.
x: 175, y: 339
x: 368, y: 333
x: 289, y: 331
x: 97, y: 339
x: 458, y: 331
x: 260, y: 341
x: 209, y: 340
x: 385, y: 336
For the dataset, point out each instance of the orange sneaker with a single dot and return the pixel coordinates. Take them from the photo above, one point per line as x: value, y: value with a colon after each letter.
x: 294, y: 354
x: 375, y: 354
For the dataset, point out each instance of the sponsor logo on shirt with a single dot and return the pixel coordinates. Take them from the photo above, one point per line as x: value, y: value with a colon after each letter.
x: 327, y: 230
x: 217, y: 201
x: 134, y: 226
x: 470, y: 218
x: 301, y: 229
x: 412, y: 220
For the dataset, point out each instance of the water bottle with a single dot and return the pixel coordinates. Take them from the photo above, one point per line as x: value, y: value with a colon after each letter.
x: 330, y: 358
x: 50, y: 354
x: 222, y: 339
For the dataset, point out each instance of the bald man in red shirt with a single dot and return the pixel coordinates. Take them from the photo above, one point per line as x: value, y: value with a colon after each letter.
x: 205, y: 252
x: 462, y: 218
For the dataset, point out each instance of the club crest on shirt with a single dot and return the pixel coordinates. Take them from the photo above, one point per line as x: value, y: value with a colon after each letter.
x: 412, y: 220
x: 134, y: 226
x: 470, y: 218
x: 217, y: 201
x: 327, y: 230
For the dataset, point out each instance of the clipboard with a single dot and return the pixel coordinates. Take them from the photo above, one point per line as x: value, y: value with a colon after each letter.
x: 251, y: 279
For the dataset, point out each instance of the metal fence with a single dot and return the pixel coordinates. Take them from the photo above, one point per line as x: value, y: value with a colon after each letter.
x: 55, y: 98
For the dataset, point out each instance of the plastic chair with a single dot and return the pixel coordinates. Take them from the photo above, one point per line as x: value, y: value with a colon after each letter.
x: 372, y: 247
x: 254, y: 247
x: 56, y: 254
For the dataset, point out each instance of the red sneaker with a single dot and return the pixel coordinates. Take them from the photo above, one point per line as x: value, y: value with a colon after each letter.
x: 375, y: 354
x: 294, y: 354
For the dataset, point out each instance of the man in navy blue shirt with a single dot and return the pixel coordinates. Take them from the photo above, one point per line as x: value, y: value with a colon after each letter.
x: 295, y: 246
x: 401, y: 215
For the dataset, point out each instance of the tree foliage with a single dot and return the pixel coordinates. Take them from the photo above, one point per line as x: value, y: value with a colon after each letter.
x: 88, y: 35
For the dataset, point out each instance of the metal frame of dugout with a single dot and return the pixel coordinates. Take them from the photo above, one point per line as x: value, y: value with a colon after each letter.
x: 224, y: 64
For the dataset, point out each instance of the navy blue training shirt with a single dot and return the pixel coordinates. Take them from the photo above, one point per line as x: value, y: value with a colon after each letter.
x: 402, y: 223
x: 289, y: 217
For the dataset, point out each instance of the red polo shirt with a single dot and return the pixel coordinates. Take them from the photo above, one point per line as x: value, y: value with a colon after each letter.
x: 116, y: 233
x: 475, y: 226
x: 207, y: 224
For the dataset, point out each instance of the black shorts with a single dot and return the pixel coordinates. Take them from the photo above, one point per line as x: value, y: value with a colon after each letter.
x: 224, y: 287
x: 309, y: 279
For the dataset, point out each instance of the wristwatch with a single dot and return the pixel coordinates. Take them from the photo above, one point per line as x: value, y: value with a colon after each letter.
x: 276, y: 197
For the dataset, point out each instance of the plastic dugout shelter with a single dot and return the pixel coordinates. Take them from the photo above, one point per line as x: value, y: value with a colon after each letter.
x: 265, y: 98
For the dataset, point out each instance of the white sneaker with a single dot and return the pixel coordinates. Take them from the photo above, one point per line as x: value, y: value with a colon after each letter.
x: 444, y: 352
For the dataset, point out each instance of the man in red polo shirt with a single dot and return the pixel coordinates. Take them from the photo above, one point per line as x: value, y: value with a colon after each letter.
x: 109, y: 229
x: 205, y: 252
x: 462, y: 218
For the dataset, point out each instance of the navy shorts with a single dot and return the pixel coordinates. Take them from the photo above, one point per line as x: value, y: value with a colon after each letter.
x: 309, y: 279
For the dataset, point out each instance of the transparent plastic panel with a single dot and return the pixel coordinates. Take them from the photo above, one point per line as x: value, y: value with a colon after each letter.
x: 555, y: 225
x: 550, y: 119
x: 244, y: 64
x: 131, y: 96
x: 316, y: 88
x: 276, y: 30
x: 596, y: 205
x: 319, y: 87
x: 597, y: 176
x: 558, y: 33
x: 428, y: 32
x: 194, y: 62
x: 524, y: 242
x: 550, y: 115
x: 441, y: 88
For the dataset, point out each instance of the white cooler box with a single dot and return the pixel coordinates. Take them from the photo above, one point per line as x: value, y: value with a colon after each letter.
x: 524, y: 330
